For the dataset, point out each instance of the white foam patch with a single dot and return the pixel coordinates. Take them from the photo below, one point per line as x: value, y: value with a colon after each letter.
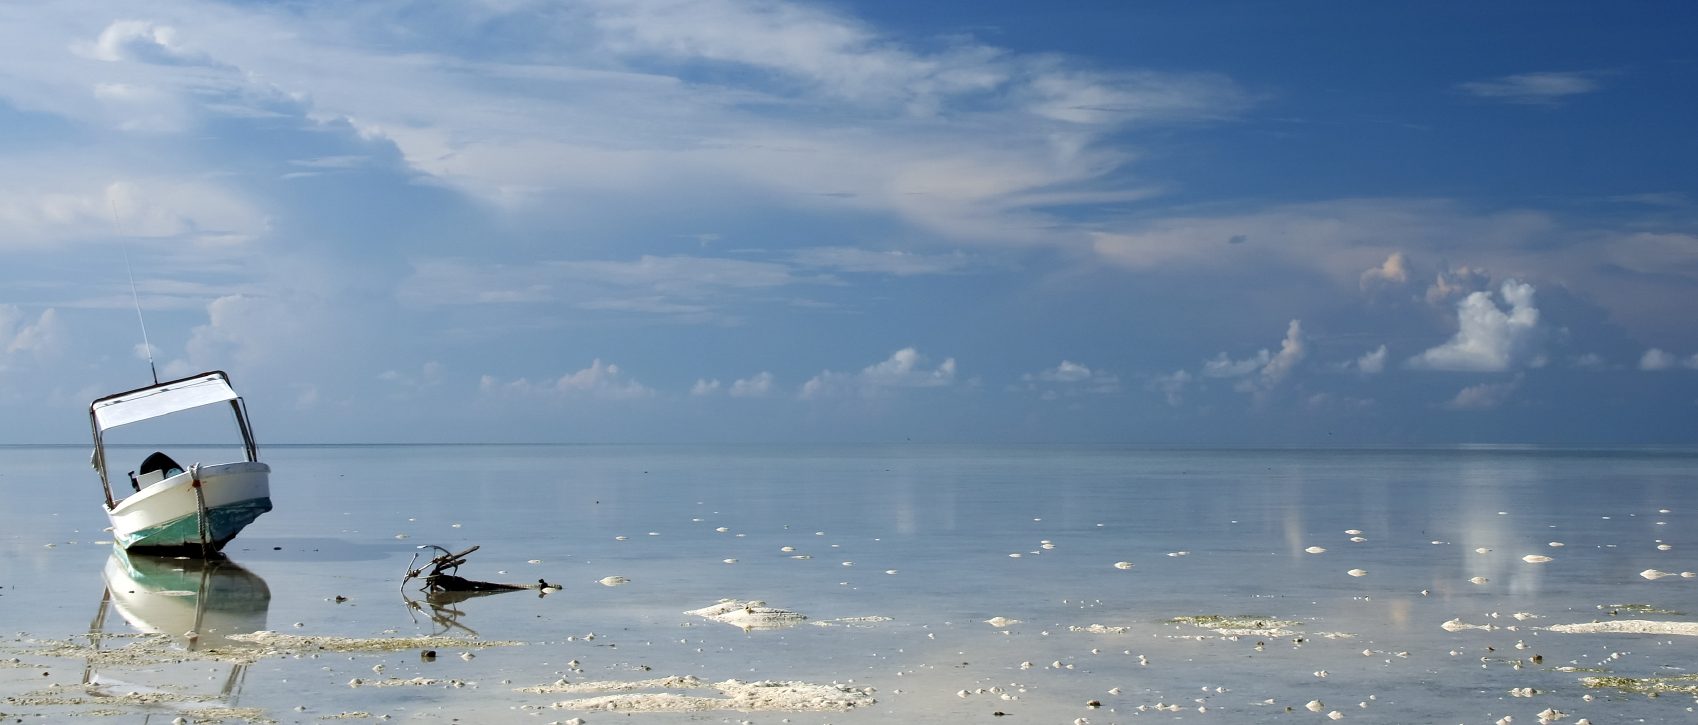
x: 749, y: 615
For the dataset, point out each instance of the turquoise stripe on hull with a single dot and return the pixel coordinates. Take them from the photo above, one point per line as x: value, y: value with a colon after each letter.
x: 224, y: 522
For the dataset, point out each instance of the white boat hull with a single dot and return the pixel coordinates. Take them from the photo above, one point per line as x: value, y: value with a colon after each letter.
x: 167, y: 516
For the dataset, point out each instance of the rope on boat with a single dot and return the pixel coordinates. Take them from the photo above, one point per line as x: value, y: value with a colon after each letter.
x: 200, y: 508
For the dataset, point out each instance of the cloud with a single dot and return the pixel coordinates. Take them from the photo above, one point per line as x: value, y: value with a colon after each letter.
x: 639, y: 105
x: 63, y: 207
x: 1292, y: 350
x: 1172, y: 386
x: 1645, y: 280
x: 1263, y: 371
x: 682, y: 288
x: 896, y: 263
x: 1458, y: 281
x: 141, y: 41
x: 44, y: 337
x: 1488, y: 339
x: 1225, y: 367
x: 1069, y: 379
x: 1340, y: 238
x: 603, y: 381
x: 1534, y: 88
x: 1371, y: 363
x: 903, y: 369
x: 1657, y: 359
x: 1394, y: 271
x: 428, y: 376
x: 837, y: 57
x: 758, y: 386
x: 247, y: 329
x: 1484, y: 396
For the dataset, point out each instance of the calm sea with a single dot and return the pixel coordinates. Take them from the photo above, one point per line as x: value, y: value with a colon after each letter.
x: 930, y: 542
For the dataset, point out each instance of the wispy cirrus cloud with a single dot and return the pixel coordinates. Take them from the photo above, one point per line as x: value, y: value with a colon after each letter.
x: 789, y: 103
x: 1543, y: 89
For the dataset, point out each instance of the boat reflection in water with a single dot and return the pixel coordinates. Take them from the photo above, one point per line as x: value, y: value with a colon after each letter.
x: 198, y: 603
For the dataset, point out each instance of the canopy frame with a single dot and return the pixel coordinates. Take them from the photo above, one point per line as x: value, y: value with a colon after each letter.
x: 154, y: 401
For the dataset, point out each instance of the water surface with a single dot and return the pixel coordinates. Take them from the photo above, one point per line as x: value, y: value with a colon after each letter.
x: 924, y: 536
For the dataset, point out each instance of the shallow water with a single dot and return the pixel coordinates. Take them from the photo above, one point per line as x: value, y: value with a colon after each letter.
x: 1208, y: 532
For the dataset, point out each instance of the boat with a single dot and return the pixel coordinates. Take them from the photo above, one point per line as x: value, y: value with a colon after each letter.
x: 171, y: 508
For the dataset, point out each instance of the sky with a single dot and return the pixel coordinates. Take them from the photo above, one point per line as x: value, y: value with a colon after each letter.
x: 750, y: 221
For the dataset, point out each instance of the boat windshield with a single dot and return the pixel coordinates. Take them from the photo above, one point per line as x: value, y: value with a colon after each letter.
x: 158, y: 400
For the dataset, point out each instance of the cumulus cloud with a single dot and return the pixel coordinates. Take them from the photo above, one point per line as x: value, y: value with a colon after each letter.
x: 19, y: 336
x: 1264, y: 370
x: 1455, y: 282
x: 1372, y: 362
x: 1488, y: 339
x: 757, y: 386
x: 429, y: 375
x: 1292, y: 350
x: 253, y: 331
x: 1548, y: 88
x: 1484, y: 396
x: 1222, y: 366
x: 1658, y: 359
x: 604, y: 381
x: 142, y: 41
x: 1393, y: 271
x: 1068, y: 379
x: 905, y: 368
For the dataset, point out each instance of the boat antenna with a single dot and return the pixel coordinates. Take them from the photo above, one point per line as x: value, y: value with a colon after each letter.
x: 134, y: 296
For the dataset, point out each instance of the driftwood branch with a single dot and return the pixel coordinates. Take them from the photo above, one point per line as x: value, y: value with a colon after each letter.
x: 440, y: 575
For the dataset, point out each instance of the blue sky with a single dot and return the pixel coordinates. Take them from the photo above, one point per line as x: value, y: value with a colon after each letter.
x: 751, y: 221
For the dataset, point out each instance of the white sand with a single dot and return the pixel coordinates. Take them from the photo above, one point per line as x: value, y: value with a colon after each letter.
x: 275, y: 643
x: 684, y: 682
x: 398, y: 682
x: 764, y: 696
x: 867, y: 621
x: 1628, y: 626
x: 1240, y: 626
x: 1100, y: 629
x: 749, y: 615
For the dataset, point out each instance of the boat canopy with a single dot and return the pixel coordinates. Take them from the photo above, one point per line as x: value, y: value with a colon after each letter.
x: 164, y: 399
